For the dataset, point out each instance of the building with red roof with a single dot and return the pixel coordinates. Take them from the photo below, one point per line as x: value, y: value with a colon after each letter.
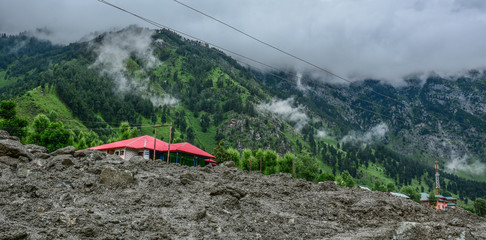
x: 184, y: 153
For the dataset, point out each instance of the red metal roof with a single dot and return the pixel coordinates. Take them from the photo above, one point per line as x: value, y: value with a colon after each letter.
x: 147, y: 142
x: 143, y: 142
x: 186, y: 147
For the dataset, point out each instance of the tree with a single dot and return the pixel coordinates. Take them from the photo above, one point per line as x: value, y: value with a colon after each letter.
x: 53, y: 116
x: 306, y: 166
x: 269, y: 162
x: 285, y: 163
x: 125, y: 132
x: 390, y: 187
x: 40, y: 124
x: 190, y: 134
x: 246, y: 157
x: 409, y: 191
x: 220, y: 153
x: 379, y: 186
x: 345, y: 180
x: 234, y: 156
x: 480, y: 207
x: 205, y: 122
x: 14, y: 125
x: 432, y: 199
x: 325, y: 177
x: 55, y: 137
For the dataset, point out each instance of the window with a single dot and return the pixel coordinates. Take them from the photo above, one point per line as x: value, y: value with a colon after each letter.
x: 117, y: 153
x: 122, y: 153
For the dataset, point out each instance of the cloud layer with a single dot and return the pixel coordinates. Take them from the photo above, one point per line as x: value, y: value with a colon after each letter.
x: 373, y: 135
x: 356, y: 39
x: 462, y: 163
x: 288, y: 110
x: 114, y: 52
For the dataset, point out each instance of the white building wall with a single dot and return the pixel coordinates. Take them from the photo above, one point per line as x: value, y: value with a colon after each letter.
x: 130, y: 153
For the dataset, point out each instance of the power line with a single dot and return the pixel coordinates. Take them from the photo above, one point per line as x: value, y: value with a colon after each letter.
x: 232, y: 52
x: 280, y: 50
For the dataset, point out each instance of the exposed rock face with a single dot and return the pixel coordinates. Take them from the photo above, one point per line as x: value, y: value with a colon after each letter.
x: 101, y: 196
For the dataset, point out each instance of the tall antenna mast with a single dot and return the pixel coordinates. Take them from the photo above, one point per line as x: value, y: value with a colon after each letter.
x: 437, y: 184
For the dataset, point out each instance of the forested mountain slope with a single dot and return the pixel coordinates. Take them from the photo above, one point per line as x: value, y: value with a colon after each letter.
x: 147, y: 77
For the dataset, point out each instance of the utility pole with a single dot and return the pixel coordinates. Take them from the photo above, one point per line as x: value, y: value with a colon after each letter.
x: 437, y: 183
x: 155, y: 136
x: 155, y: 139
x: 168, y: 150
x: 293, y: 166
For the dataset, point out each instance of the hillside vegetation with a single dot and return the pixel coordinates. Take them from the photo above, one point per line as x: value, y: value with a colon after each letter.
x: 120, y: 84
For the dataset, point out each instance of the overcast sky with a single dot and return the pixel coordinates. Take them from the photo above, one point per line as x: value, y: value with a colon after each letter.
x: 383, y: 39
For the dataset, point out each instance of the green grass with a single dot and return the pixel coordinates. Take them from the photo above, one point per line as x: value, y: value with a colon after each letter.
x: 371, y: 174
x: 204, y: 139
x: 39, y: 101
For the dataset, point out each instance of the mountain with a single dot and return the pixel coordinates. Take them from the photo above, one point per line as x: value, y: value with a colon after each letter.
x: 379, y: 133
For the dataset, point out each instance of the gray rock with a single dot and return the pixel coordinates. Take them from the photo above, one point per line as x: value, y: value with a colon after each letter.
x: 15, y: 149
x: 10, y: 161
x: 5, y: 135
x: 32, y: 148
x: 185, y: 181
x: 114, y: 177
x: 229, y: 164
x: 65, y: 160
x: 41, y: 155
x: 62, y: 151
x: 90, y: 153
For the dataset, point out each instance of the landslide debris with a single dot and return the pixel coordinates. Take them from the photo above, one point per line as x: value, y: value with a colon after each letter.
x: 91, y: 195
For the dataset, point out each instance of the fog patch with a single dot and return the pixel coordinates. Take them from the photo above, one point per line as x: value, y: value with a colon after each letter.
x: 163, y: 101
x: 462, y: 163
x: 322, y: 133
x: 373, y: 135
x: 288, y: 110
x: 116, y: 48
x: 299, y: 84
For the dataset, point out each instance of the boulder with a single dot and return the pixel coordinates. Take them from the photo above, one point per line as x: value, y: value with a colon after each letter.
x: 32, y: 148
x: 63, y: 151
x: 5, y: 135
x: 65, y: 159
x: 15, y: 149
x: 229, y: 164
x: 114, y: 177
x: 90, y: 153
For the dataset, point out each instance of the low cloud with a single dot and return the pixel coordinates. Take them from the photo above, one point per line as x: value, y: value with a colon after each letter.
x: 375, y: 134
x: 118, y: 47
x: 322, y: 133
x: 162, y: 101
x: 288, y: 110
x: 462, y: 163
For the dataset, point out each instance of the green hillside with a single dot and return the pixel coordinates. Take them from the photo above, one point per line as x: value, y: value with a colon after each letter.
x: 44, y: 100
x: 104, y: 90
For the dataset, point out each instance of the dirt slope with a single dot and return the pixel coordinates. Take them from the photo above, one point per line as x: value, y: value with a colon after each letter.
x: 89, y: 195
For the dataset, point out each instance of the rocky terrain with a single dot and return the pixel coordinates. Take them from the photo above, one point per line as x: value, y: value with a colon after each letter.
x: 91, y: 195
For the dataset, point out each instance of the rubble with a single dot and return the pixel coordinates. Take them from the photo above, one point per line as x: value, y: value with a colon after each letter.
x: 89, y: 194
